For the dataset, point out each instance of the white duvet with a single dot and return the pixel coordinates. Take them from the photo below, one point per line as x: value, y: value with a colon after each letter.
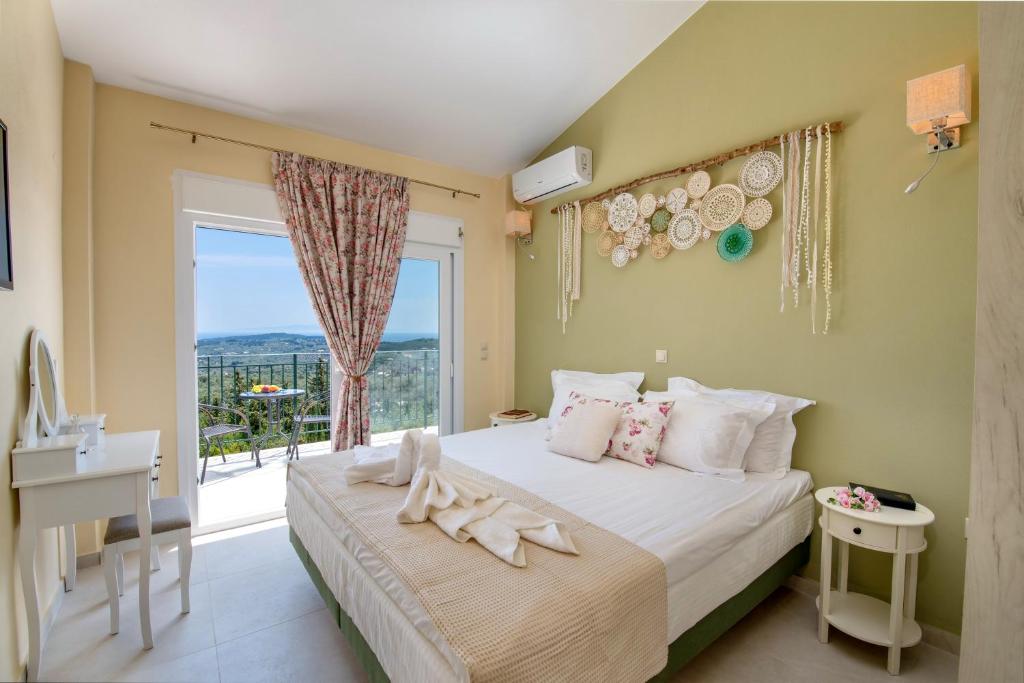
x: 685, y: 519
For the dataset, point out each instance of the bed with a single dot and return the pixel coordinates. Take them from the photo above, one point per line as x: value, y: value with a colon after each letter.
x: 725, y: 545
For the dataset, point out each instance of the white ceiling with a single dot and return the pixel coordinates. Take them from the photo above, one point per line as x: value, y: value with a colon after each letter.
x: 482, y: 85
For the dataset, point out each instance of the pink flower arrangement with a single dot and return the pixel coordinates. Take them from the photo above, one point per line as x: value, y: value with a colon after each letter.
x: 857, y: 499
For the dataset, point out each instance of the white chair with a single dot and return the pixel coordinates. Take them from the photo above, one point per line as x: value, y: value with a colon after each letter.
x: 171, y: 524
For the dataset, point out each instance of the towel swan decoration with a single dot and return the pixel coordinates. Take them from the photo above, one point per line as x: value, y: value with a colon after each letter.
x: 463, y: 508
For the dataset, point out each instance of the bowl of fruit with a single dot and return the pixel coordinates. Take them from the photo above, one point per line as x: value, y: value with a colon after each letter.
x: 265, y: 388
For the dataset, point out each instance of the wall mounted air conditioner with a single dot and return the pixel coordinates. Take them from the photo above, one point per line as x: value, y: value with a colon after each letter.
x: 569, y: 169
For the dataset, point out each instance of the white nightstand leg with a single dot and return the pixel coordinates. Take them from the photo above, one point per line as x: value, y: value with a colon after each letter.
x: 70, y: 558
x: 826, y: 577
x: 899, y: 570
x: 844, y: 565
x: 910, y: 597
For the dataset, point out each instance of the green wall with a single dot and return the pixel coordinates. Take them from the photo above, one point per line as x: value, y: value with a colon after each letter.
x: 893, y: 379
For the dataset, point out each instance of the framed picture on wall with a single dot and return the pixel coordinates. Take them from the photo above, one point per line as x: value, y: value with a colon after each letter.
x: 6, y: 267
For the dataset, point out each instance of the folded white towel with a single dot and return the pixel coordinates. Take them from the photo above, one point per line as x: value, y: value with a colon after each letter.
x: 392, y: 465
x: 465, y: 509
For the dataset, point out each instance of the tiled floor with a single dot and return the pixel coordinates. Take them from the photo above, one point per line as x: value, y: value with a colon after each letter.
x: 256, y: 617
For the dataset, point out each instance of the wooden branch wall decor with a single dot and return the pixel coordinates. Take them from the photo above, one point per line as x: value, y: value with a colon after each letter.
x: 717, y: 160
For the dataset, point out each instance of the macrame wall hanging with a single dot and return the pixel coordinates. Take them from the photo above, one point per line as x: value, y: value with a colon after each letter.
x: 695, y: 211
x: 570, y: 219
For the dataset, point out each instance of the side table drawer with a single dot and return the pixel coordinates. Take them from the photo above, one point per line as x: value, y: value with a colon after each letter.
x: 854, y: 531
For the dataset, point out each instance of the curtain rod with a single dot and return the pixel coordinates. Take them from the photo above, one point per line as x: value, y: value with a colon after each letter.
x: 197, y: 134
x: 718, y: 160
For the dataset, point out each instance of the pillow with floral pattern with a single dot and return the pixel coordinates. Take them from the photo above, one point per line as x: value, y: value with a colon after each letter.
x: 640, y: 432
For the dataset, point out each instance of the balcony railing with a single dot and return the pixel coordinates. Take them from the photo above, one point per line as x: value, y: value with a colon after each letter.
x: 403, y: 385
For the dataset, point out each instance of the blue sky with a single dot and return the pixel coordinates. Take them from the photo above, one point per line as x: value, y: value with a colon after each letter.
x: 249, y: 283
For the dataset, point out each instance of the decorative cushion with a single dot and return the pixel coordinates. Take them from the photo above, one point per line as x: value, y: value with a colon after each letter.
x: 168, y: 514
x: 585, y: 427
x: 640, y: 431
x: 709, y: 435
x: 595, y: 387
x: 771, y: 450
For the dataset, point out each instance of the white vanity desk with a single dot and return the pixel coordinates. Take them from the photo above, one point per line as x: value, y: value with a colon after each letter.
x: 114, y: 479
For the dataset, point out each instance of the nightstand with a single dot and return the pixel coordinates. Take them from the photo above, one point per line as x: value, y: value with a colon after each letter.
x: 501, y: 421
x: 890, y: 530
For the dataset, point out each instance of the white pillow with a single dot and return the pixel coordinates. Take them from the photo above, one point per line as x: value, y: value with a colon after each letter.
x: 633, y: 378
x: 771, y: 451
x: 586, y: 429
x: 611, y: 390
x: 709, y: 435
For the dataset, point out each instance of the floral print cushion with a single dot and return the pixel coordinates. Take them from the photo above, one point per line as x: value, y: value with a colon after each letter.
x: 640, y: 432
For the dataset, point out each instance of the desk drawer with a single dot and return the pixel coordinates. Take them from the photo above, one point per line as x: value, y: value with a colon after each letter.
x: 862, y: 533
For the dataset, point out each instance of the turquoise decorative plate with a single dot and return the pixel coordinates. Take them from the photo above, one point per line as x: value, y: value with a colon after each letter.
x: 660, y: 219
x: 735, y: 242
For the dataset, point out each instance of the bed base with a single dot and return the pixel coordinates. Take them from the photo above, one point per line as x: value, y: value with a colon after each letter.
x: 680, y: 652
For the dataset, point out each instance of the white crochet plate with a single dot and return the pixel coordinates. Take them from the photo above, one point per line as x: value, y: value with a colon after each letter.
x: 684, y: 229
x: 698, y: 184
x: 647, y: 205
x: 757, y: 213
x: 623, y: 212
x: 620, y: 256
x: 721, y: 207
x: 760, y: 174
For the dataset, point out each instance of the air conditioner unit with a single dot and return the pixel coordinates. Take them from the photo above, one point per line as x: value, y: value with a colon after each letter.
x: 569, y: 169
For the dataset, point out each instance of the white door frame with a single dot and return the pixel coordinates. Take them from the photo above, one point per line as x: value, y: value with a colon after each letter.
x: 215, y: 201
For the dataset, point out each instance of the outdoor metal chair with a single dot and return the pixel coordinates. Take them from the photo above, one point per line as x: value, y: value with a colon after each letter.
x: 314, y: 410
x: 218, y: 427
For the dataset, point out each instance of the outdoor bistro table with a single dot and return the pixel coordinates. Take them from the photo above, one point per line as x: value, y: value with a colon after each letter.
x: 274, y: 422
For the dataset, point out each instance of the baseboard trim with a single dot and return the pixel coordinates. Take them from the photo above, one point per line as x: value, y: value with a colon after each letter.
x: 932, y: 635
x: 88, y: 560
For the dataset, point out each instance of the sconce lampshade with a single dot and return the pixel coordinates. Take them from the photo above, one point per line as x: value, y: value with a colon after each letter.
x: 517, y: 223
x: 942, y: 98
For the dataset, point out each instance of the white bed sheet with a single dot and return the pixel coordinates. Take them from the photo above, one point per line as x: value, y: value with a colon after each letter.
x: 686, y: 519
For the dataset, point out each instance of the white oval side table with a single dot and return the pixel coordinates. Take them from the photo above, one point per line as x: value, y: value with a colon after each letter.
x: 890, y: 530
x: 497, y: 421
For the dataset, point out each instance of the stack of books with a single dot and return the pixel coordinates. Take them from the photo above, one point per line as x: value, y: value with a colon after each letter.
x: 515, y: 414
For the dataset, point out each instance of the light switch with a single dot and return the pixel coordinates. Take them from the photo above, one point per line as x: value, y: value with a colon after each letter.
x: 661, y: 356
x: 483, y: 351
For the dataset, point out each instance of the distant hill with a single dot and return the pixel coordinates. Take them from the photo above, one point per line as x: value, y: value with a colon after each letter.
x: 282, y: 342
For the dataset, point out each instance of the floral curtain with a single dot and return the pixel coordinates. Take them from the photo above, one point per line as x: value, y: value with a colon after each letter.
x: 347, y: 226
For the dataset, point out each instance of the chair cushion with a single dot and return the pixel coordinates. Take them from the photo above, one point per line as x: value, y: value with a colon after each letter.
x: 168, y: 514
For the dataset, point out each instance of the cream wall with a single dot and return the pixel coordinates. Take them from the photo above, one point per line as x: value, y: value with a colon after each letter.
x: 31, y: 68
x: 893, y: 379
x: 134, y: 256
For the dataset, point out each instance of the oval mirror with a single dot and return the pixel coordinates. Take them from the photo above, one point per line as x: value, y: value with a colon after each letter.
x: 44, y: 384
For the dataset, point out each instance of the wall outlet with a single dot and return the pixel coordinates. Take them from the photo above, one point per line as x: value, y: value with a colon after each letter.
x: 484, y: 351
x: 661, y: 356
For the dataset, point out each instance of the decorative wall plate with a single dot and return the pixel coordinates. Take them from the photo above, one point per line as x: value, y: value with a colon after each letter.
x: 684, y: 230
x: 623, y: 212
x: 605, y: 242
x: 647, y: 204
x: 735, y: 242
x: 757, y: 213
x: 620, y: 256
x: 675, y: 200
x: 633, y: 237
x: 698, y: 184
x: 760, y: 174
x: 594, y: 217
x: 660, y: 246
x: 660, y: 219
x: 721, y: 207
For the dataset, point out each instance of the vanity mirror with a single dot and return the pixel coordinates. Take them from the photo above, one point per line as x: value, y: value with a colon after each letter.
x: 47, y: 415
x: 46, y: 412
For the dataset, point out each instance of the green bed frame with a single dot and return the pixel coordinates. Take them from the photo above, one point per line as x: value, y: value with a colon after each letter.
x: 681, y: 651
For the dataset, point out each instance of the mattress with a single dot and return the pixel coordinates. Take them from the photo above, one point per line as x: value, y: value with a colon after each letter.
x: 714, y: 536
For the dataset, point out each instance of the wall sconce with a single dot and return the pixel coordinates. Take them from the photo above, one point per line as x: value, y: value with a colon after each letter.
x: 517, y: 225
x: 937, y: 104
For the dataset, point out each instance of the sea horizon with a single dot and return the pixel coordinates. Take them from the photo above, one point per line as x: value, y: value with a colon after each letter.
x: 305, y: 332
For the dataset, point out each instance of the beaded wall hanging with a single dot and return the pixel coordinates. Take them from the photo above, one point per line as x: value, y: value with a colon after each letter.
x: 570, y: 239
x: 697, y: 209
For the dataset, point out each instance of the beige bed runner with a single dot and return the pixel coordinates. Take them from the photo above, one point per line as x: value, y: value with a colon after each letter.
x: 598, y: 616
